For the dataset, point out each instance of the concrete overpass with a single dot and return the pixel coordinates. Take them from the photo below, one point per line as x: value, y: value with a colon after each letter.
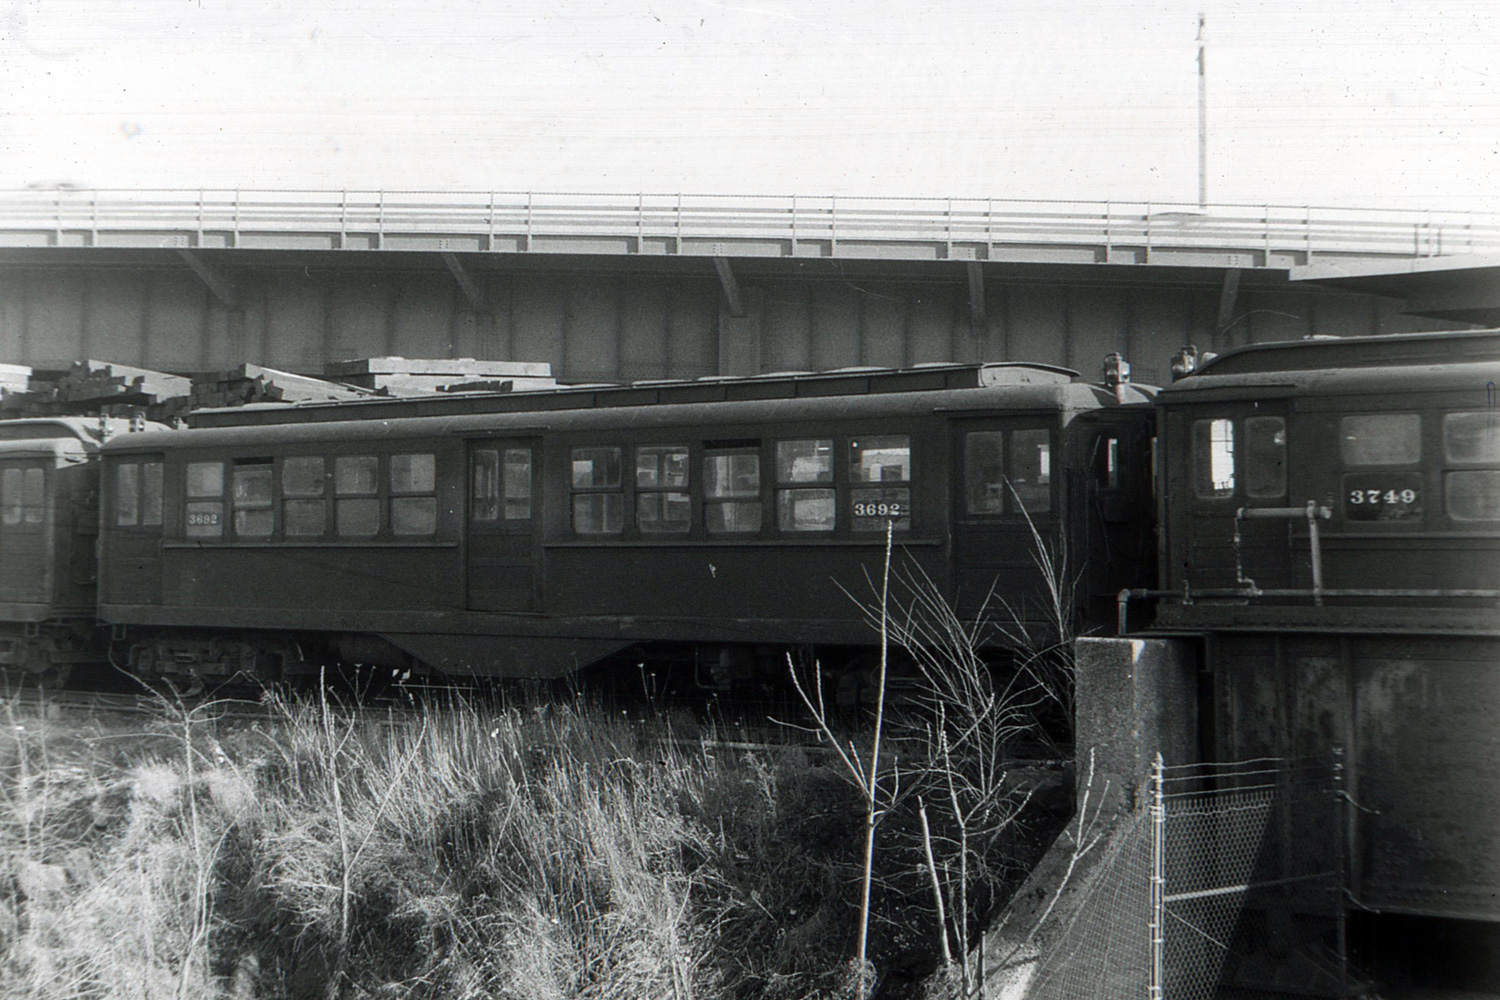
x: 621, y: 287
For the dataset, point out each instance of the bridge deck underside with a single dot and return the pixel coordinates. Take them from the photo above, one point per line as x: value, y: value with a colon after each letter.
x: 608, y: 318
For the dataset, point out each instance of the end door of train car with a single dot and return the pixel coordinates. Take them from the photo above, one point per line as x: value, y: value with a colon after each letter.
x: 1112, y: 484
x: 1007, y: 479
x: 1233, y: 521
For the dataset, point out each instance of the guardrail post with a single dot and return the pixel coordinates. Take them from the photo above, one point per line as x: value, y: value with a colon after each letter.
x: 380, y: 219
x: 640, y: 222
x: 490, y: 239
x: 833, y: 225
x: 1148, y: 232
x: 344, y: 219
x: 950, y: 229
x: 1108, y: 236
x: 200, y: 218
x: 989, y: 229
x: 94, y: 223
x: 234, y: 237
x: 529, y: 199
x: 57, y: 219
x: 794, y: 225
x: 679, y: 223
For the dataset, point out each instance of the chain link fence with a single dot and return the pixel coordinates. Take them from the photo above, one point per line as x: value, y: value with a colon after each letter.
x: 1227, y: 881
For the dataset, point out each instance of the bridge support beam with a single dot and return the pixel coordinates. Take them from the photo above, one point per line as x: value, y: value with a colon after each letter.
x: 976, y: 293
x: 731, y: 287
x: 1228, y: 295
x: 741, y: 351
x: 471, y: 288
x: 220, y: 284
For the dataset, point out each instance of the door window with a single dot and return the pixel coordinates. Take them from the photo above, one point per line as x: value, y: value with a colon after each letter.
x: 502, y: 484
x: 1265, y: 457
x: 1008, y: 471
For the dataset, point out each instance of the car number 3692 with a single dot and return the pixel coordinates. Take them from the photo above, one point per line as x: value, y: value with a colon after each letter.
x: 878, y: 510
x: 1377, y: 497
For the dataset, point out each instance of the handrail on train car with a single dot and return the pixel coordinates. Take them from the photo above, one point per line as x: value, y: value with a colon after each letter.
x: 1313, y: 511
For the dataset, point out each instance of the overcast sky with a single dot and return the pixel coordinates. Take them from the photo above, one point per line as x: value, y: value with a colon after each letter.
x: 1331, y: 102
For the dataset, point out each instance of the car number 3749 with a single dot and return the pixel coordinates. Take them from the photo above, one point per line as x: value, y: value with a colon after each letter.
x: 1377, y: 497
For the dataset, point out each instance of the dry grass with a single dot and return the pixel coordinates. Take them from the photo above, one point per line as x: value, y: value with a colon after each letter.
x: 530, y: 852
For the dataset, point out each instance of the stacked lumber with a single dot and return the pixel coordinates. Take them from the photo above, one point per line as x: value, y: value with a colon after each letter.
x: 103, y: 383
x: 15, y: 390
x: 14, y: 378
x: 94, y: 387
x: 415, y: 376
x: 103, y: 387
x: 254, y: 384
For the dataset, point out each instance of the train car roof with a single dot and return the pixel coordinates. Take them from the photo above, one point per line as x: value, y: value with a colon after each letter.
x: 91, y: 431
x: 713, y: 389
x: 60, y: 449
x: 1046, y: 397
x: 1385, y: 350
x: 1464, y: 363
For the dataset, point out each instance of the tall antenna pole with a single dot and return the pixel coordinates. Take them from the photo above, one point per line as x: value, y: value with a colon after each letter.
x: 1202, y: 119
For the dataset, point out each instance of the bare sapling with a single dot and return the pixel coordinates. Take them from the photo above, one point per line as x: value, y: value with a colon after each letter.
x: 865, y: 774
x: 968, y: 716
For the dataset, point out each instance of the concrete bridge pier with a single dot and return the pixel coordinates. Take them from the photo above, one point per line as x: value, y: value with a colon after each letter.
x: 1082, y: 916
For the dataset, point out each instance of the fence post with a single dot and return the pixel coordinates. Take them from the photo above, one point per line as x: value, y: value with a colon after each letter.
x: 1158, y: 881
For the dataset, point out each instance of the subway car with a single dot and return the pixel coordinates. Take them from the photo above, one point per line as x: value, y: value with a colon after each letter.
x: 1330, y: 541
x: 49, y: 486
x: 720, y: 522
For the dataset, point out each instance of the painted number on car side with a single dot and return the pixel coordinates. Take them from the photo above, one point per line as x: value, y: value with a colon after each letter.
x: 1375, y: 496
x: 879, y: 510
x: 1388, y: 496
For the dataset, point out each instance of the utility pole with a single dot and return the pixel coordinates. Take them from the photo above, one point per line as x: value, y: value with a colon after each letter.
x: 1202, y: 119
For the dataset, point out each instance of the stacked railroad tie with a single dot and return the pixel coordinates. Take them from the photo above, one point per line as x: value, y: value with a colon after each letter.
x: 89, y: 387
x: 249, y: 383
x: 417, y: 376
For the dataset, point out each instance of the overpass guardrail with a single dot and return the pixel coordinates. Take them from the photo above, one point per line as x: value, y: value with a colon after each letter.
x: 731, y: 225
